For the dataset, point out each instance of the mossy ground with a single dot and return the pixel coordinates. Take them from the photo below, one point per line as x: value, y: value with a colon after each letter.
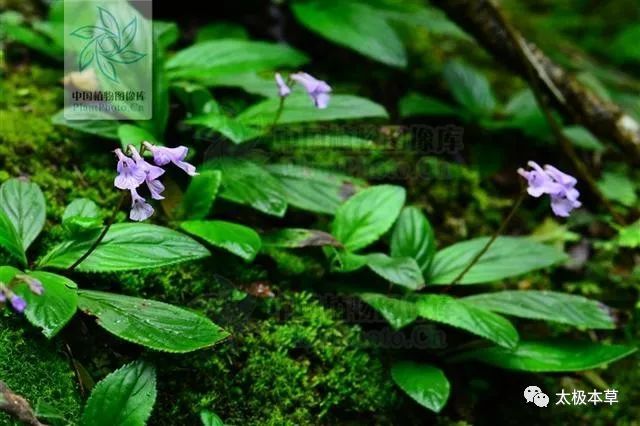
x: 292, y: 360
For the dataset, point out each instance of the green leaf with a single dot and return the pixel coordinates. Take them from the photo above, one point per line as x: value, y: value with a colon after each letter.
x: 299, y: 108
x: 152, y: 324
x: 470, y: 88
x: 366, y: 216
x: 229, y: 56
x: 229, y: 127
x: 237, y: 239
x: 413, y: 237
x: 200, y: 195
x: 447, y: 310
x: 248, y: 183
x: 218, y: 30
x: 618, y: 187
x: 354, y: 25
x: 629, y: 236
x: 53, y: 309
x: 165, y: 33
x: 546, y: 305
x: 134, y: 135
x: 126, y: 247
x: 507, y: 257
x: 582, y: 138
x: 106, y: 126
x: 210, y: 418
x: 80, y: 216
x: 24, y: 205
x: 327, y: 141
x: 7, y: 273
x: 426, y: 384
x: 312, y: 189
x: 415, y: 104
x: 397, y: 312
x: 9, y: 238
x: 403, y: 271
x: 298, y: 238
x: 549, y: 356
x: 124, y: 398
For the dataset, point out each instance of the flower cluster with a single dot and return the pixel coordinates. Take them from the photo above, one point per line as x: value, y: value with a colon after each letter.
x: 560, y: 187
x: 17, y: 302
x: 318, y: 90
x: 134, y: 171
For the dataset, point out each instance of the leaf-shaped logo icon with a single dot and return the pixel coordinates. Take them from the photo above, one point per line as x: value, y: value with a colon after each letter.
x: 107, y: 45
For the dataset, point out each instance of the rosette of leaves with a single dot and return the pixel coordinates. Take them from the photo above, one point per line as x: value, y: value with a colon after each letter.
x: 108, y: 44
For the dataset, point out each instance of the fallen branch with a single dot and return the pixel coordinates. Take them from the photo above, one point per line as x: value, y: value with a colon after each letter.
x: 606, y: 120
x: 17, y: 406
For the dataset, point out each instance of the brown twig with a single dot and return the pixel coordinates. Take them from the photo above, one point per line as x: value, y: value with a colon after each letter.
x: 17, y: 406
x: 484, y: 20
x: 535, y: 73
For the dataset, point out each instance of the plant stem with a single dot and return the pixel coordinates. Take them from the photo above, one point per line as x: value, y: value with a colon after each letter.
x: 278, y: 114
x: 103, y: 234
x: 495, y: 235
x: 532, y: 66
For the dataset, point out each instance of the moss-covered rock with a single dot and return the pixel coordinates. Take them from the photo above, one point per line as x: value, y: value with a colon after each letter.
x: 38, y: 370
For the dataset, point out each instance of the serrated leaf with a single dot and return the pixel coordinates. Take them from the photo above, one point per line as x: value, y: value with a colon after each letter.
x: 413, y: 237
x: 9, y: 238
x: 149, y: 323
x: 24, y: 205
x: 549, y: 356
x: 299, y: 109
x: 127, y: 246
x: 403, y: 271
x: 82, y: 215
x: 355, y: 25
x: 200, y: 195
x: 298, y: 238
x: 245, y: 182
x: 448, y: 310
x: 237, y: 239
x: 229, y: 127
x: 426, y: 384
x: 470, y: 88
x: 312, y: 189
x: 53, y: 309
x: 124, y: 398
x: 546, y: 305
x: 507, y: 257
x: 397, y: 312
x: 229, y: 56
x: 366, y: 216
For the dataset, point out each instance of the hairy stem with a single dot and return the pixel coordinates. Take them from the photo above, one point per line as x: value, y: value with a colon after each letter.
x: 495, y: 235
x: 98, y: 240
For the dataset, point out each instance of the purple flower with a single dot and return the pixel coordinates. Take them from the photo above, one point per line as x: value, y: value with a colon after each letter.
x: 34, y: 284
x: 163, y: 155
x: 130, y: 175
x: 140, y: 209
x: 317, y: 89
x: 18, y: 303
x: 540, y: 182
x: 558, y: 185
x: 283, y: 89
x: 152, y: 174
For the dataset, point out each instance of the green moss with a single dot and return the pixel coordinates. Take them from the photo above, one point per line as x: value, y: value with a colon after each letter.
x: 300, y: 365
x: 64, y: 165
x: 36, y: 369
